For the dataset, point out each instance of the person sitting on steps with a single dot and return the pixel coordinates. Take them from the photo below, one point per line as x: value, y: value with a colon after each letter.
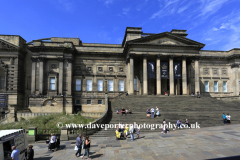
x: 123, y: 111
x: 157, y: 111
x: 179, y: 123
x: 117, y: 111
x: 192, y: 94
x: 129, y: 111
x: 166, y: 94
x: 198, y: 94
x: 186, y: 122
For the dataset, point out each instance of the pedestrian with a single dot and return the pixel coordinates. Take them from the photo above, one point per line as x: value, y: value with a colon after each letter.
x: 131, y: 130
x: 86, y: 147
x: 152, y: 112
x: 52, y: 142
x: 138, y: 131
x: 79, y: 145
x: 123, y: 111
x: 30, y: 153
x: 15, y: 153
x: 224, y: 118
x: 228, y: 117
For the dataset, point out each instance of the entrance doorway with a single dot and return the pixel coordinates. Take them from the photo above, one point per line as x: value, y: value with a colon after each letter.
x: 165, y: 86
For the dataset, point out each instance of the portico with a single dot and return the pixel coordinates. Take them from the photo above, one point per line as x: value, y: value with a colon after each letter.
x: 160, y: 73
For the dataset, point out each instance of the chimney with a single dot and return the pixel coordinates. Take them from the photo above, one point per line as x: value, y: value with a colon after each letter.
x: 132, y: 33
x: 179, y: 32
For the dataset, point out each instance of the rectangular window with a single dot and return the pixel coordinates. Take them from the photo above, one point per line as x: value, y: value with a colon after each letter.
x: 78, y: 84
x: 215, y: 86
x: 100, y: 85
x: 135, y: 84
x: 99, y: 101
x: 121, y: 85
x: 2, y: 82
x: 206, y: 83
x: 52, y: 83
x: 77, y: 102
x: 88, y: 101
x: 110, y: 85
x: 89, y: 85
x: 224, y: 86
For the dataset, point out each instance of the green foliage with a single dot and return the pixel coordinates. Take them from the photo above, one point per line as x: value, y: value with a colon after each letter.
x: 47, y: 122
x: 22, y: 119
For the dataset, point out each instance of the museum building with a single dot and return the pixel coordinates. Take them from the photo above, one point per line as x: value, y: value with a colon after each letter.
x: 54, y: 75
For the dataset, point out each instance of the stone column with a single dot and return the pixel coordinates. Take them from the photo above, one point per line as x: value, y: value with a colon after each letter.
x: 41, y: 59
x: 33, y: 84
x: 131, y: 80
x: 145, y: 80
x: 128, y: 74
x: 158, y: 70
x: 69, y: 77
x: 60, y: 78
x: 171, y: 75
x: 235, y: 80
x: 197, y: 88
x: 184, y: 76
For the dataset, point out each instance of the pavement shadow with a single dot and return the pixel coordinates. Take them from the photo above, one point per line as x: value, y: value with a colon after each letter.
x: 227, y: 158
x: 43, y: 158
x: 95, y: 156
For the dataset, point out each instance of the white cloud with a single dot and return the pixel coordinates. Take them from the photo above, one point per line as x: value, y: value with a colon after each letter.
x: 67, y: 5
x: 107, y: 2
x: 125, y: 11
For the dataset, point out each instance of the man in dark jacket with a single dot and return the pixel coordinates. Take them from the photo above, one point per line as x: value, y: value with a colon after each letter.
x: 30, y: 152
x: 79, y: 145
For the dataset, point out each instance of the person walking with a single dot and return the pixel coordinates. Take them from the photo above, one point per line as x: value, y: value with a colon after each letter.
x: 79, y: 145
x: 86, y: 147
x: 138, y: 131
x: 131, y: 130
x: 228, y: 117
x: 224, y: 118
x: 30, y: 153
x: 152, y: 112
x: 15, y: 153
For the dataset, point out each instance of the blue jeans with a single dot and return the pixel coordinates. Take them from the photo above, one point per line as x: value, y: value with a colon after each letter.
x: 132, y: 136
x: 152, y: 114
x: 224, y: 121
x: 179, y: 125
x: 78, y: 151
x: 86, y: 152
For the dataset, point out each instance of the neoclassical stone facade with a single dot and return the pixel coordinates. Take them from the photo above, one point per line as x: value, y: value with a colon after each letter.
x: 56, y: 74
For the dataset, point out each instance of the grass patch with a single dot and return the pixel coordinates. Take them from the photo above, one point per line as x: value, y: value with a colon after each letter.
x: 47, y: 122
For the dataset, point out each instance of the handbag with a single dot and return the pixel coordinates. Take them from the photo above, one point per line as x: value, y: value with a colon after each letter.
x: 76, y: 148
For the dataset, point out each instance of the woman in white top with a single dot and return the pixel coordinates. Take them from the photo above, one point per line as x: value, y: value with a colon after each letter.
x: 228, y: 118
x: 52, y: 142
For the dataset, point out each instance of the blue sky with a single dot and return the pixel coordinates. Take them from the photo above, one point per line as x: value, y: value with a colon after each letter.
x: 215, y: 23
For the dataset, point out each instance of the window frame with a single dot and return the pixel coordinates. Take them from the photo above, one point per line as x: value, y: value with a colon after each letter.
x: 98, y: 84
x: 50, y: 84
x: 99, y: 101
x: 205, y: 86
x: 88, y: 85
x: 122, y: 86
x: 223, y: 86
x: 80, y: 85
x: 89, y: 101
x: 214, y: 86
x: 110, y: 86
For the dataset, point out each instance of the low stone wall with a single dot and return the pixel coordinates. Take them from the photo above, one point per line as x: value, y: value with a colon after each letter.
x: 27, y: 116
x: 93, y: 108
x: 92, y: 115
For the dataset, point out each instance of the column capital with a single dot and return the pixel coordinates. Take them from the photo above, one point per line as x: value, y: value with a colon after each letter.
x: 60, y: 59
x: 34, y: 59
x: 235, y: 65
x: 131, y: 55
x: 196, y: 58
x: 171, y: 56
x: 184, y: 57
x: 145, y: 55
x: 41, y: 59
x: 158, y: 55
x: 69, y: 60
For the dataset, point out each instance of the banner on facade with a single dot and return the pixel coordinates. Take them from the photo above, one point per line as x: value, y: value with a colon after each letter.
x: 164, y: 70
x: 3, y: 99
x: 177, y: 70
x: 151, y: 69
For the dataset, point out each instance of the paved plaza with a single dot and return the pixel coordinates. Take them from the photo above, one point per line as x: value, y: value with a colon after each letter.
x: 222, y: 142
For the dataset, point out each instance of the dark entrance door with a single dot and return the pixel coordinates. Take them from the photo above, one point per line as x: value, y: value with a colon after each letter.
x: 151, y: 78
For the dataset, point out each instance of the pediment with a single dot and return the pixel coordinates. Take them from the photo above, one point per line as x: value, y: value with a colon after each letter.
x: 5, y: 45
x: 166, y: 38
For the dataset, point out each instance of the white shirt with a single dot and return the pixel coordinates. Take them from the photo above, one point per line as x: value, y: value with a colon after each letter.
x: 228, y: 117
x: 52, y: 139
x: 121, y: 126
x: 131, y: 129
x: 138, y: 128
x: 152, y: 110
